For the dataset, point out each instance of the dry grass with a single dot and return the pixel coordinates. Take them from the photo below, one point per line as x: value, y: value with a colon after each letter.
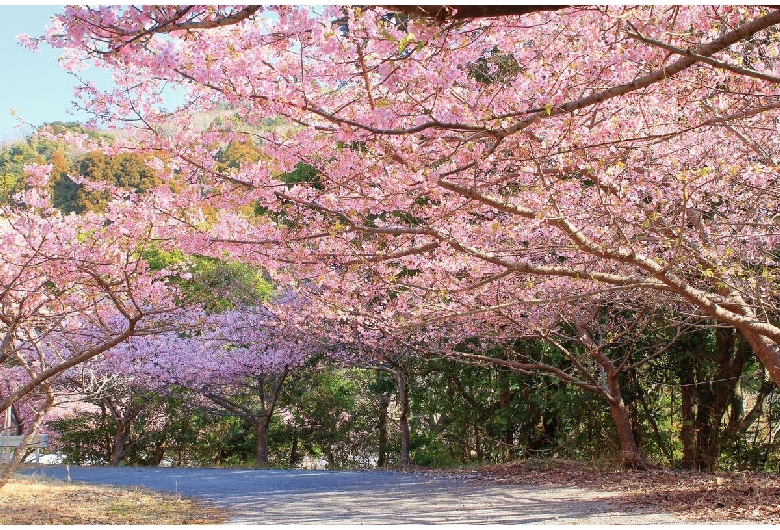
x: 37, y: 500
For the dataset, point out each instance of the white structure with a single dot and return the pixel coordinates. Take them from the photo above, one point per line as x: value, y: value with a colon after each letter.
x: 9, y: 443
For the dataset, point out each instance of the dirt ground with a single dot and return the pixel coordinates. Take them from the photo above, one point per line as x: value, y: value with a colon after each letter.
x: 741, y: 497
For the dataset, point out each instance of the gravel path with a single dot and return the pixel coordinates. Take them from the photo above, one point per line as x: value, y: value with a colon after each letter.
x: 366, y: 497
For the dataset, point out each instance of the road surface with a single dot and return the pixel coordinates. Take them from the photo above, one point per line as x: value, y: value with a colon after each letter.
x: 365, y: 497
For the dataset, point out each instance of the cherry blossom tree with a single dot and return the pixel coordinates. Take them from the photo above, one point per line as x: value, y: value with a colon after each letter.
x: 614, y: 147
x: 250, y: 356
x: 475, y: 158
x: 237, y: 359
x: 72, y: 287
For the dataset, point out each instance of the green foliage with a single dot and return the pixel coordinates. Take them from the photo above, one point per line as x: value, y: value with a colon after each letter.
x: 469, y: 414
x: 326, y: 413
x: 237, y: 154
x: 303, y: 173
x: 223, y: 284
x: 217, y: 284
x: 14, y: 156
x: 127, y: 171
x: 84, y: 439
x: 495, y: 67
x: 460, y: 415
x: 166, y: 426
x: 223, y: 441
x: 159, y: 259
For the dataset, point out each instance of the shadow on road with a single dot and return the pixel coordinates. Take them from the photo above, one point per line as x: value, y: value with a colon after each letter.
x: 354, y: 497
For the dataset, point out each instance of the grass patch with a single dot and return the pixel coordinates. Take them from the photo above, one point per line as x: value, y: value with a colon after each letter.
x: 39, y: 500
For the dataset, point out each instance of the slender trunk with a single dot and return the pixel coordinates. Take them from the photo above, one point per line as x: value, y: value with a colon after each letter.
x: 630, y: 454
x: 504, y: 401
x: 258, y: 419
x: 8, y: 469
x: 403, y: 399
x: 659, y: 440
x: 384, y: 404
x: 261, y: 428
x: 686, y: 373
x: 477, y: 441
x: 611, y: 389
x: 17, y: 423
x: 294, y: 452
x: 740, y: 422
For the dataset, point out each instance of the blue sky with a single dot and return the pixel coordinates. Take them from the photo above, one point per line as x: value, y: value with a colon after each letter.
x: 33, y: 83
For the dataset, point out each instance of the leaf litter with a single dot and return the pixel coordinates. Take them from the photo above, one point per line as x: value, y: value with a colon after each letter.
x: 694, y: 497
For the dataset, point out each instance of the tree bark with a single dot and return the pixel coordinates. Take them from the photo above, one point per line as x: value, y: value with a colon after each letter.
x: 629, y: 450
x: 258, y: 419
x: 630, y: 453
x: 715, y: 397
x: 16, y: 421
x: 384, y: 404
x: 294, y: 452
x: 767, y: 351
x: 261, y: 428
x: 707, y: 394
x: 403, y: 421
x: 504, y: 401
x: 465, y: 12
x: 120, y: 440
x: 687, y: 375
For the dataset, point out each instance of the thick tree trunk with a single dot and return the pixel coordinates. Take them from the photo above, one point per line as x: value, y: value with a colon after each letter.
x: 158, y: 453
x: 261, y: 428
x: 707, y: 446
x: 629, y: 449
x: 687, y: 376
x: 767, y: 351
x: 706, y: 397
x: 120, y: 440
x: 715, y: 396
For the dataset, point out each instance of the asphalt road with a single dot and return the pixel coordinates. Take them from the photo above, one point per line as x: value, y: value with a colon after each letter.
x: 365, y: 497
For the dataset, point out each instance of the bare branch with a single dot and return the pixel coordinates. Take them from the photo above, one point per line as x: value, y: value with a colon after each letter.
x: 701, y: 58
x: 458, y: 12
